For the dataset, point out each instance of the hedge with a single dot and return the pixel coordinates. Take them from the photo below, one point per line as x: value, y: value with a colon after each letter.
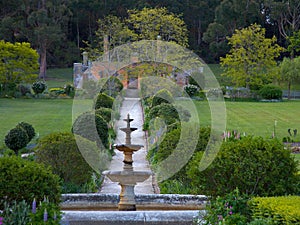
x: 281, y: 210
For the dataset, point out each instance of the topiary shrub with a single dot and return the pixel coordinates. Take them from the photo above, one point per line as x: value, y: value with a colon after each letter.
x: 60, y: 151
x: 16, y: 139
x: 29, y: 130
x: 270, y: 92
x: 253, y: 165
x: 92, y: 127
x: 39, y: 87
x: 25, y: 180
x: 168, y: 113
x: 103, y: 100
x: 105, y: 113
x: 162, y: 96
x: 191, y: 89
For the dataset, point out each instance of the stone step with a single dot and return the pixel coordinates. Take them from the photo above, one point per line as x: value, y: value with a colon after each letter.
x: 130, y: 218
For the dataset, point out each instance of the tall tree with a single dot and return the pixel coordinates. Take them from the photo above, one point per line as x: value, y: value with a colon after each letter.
x: 283, y: 13
x: 229, y: 16
x: 146, y: 24
x: 18, y: 63
x: 290, y: 71
x: 45, y: 24
x: 251, y: 58
x: 150, y: 23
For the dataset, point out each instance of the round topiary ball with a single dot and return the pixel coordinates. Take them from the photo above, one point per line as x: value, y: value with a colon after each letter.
x: 105, y: 113
x: 103, y: 100
x: 28, y: 128
x: 16, y: 139
x: 39, y: 87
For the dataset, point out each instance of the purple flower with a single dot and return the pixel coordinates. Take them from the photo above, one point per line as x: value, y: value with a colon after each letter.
x: 220, y: 217
x: 1, y: 220
x: 45, y: 215
x: 34, y: 206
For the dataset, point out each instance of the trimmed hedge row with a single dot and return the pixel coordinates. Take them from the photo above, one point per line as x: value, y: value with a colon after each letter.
x: 281, y: 210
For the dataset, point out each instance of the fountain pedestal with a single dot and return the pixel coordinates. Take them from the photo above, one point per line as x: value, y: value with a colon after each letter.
x: 127, y: 178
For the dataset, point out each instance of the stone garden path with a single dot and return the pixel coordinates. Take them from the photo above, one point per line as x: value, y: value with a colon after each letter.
x: 131, y: 105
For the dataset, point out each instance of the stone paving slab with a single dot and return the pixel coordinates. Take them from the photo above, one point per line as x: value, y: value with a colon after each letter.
x: 131, y: 106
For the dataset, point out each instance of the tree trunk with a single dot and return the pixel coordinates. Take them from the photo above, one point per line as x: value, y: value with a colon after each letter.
x: 43, y: 62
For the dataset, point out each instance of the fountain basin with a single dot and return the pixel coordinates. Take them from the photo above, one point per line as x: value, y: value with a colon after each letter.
x: 127, y: 177
x: 145, y: 202
x: 128, y: 147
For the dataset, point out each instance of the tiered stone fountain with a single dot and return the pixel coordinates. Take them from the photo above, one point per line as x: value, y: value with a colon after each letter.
x: 127, y: 178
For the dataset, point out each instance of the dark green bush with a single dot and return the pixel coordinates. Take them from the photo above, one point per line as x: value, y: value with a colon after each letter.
x: 24, y: 89
x: 92, y: 127
x: 28, y: 128
x: 168, y: 113
x: 25, y: 180
x: 162, y: 96
x: 270, y: 92
x: 60, y: 151
x: 105, y: 113
x: 103, y: 100
x: 252, y: 164
x: 39, y: 87
x: 16, y: 139
x: 168, y: 145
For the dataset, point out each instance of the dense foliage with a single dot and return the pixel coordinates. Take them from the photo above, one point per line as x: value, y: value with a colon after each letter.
x: 24, y: 180
x: 16, y: 139
x: 60, y: 151
x: 281, y: 210
x: 253, y: 165
x: 18, y: 64
x: 104, y: 100
x: 59, y: 27
x: 28, y: 128
x: 270, y: 92
x: 252, y: 57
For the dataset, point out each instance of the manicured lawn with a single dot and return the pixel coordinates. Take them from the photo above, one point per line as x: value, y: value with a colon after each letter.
x: 45, y: 115
x: 255, y: 118
x: 59, y: 77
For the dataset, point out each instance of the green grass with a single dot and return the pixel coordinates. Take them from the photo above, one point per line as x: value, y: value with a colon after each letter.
x: 59, y: 77
x: 256, y: 118
x: 45, y: 115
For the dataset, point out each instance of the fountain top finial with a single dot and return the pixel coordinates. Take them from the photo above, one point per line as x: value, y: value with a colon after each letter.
x: 128, y: 120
